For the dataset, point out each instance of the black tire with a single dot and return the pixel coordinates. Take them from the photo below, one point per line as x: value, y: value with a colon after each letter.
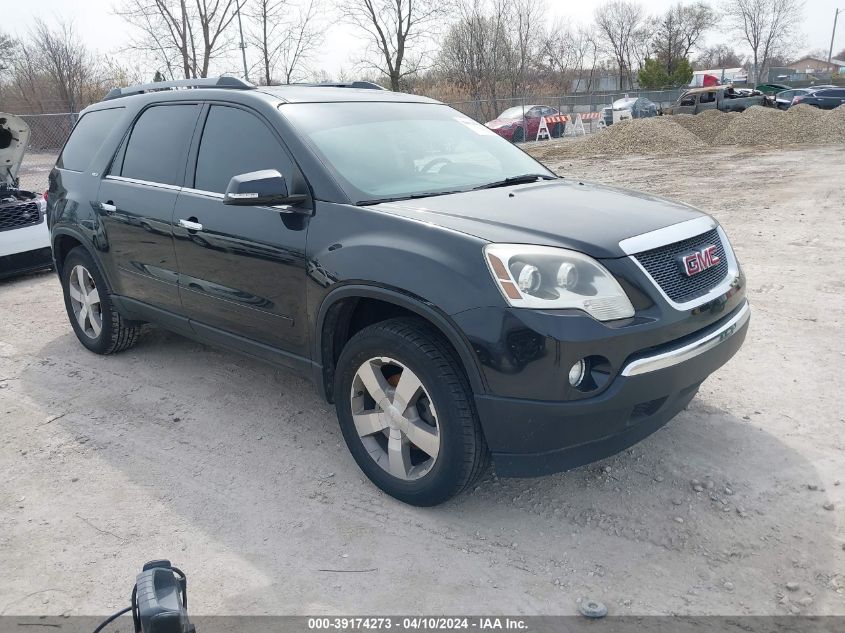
x: 518, y: 135
x: 116, y: 334
x: 463, y: 455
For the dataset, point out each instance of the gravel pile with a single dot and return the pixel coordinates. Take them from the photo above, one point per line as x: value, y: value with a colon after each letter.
x: 771, y: 127
x: 706, y: 125
x: 833, y: 125
x: 756, y: 127
x: 635, y: 136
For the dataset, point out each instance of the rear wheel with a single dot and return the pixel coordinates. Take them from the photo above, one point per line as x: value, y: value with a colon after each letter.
x: 94, y: 319
x: 406, y: 412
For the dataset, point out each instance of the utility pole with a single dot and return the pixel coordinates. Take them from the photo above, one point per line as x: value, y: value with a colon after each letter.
x: 243, y: 46
x: 832, y: 35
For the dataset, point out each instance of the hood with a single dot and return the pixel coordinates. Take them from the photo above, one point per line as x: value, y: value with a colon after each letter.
x: 14, y: 138
x: 585, y: 217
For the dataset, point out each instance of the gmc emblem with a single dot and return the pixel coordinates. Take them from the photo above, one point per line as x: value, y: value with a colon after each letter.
x: 699, y: 261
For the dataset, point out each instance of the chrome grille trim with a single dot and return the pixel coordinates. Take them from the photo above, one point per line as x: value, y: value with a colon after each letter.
x: 677, y: 233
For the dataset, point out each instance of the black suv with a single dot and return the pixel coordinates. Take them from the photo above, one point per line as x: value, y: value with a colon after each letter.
x: 453, y: 298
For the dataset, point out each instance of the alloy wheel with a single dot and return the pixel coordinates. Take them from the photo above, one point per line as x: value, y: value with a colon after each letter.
x: 395, y: 418
x: 85, y: 301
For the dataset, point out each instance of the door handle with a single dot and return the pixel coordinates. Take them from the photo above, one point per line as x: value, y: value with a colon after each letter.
x: 108, y: 207
x: 190, y: 225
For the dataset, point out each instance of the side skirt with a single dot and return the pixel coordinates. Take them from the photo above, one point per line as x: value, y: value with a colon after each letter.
x: 140, y: 311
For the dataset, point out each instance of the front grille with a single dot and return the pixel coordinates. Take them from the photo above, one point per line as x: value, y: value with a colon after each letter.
x: 18, y: 214
x: 662, y: 264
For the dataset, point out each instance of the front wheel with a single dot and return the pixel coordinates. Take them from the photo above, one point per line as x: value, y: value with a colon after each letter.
x: 406, y: 412
x: 518, y: 135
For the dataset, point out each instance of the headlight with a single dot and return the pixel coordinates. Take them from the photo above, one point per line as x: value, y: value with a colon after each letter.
x: 548, y: 278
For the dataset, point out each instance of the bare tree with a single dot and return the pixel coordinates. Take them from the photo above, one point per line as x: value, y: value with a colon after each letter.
x: 7, y: 51
x: 567, y: 54
x: 286, y: 34
x: 181, y: 34
x: 766, y: 25
x: 268, y: 34
x: 64, y: 59
x: 523, y: 16
x: 396, y: 30
x: 675, y: 33
x: 618, y: 25
x: 721, y: 56
x: 305, y: 36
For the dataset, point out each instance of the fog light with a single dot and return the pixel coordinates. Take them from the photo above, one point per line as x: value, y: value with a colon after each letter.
x: 576, y: 374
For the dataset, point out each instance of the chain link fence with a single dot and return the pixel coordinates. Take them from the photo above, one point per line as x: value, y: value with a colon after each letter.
x: 483, y: 110
x: 48, y: 133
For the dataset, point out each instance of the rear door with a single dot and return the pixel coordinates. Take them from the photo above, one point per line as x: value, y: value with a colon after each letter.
x: 243, y: 271
x: 831, y: 98
x: 706, y: 101
x: 136, y: 201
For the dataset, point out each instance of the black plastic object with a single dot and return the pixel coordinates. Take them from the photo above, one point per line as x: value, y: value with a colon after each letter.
x: 161, y: 600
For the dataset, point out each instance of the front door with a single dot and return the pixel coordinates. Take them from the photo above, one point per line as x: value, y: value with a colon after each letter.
x: 241, y: 268
x: 136, y: 201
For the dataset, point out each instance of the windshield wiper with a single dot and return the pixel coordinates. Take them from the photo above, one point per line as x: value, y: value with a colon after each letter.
x: 515, y: 180
x: 413, y: 196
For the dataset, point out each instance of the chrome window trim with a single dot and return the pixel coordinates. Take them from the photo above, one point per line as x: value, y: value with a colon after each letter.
x: 676, y: 233
x: 202, y: 192
x: 149, y: 183
x: 690, y: 350
x: 667, y: 235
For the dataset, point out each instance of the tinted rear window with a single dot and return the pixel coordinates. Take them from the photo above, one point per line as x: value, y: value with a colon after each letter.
x: 158, y: 145
x: 831, y: 93
x: 87, y: 138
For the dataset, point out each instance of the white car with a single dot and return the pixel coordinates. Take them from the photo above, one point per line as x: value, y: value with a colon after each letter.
x: 24, y: 237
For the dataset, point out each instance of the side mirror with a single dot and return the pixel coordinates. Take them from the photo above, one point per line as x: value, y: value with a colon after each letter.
x: 266, y: 187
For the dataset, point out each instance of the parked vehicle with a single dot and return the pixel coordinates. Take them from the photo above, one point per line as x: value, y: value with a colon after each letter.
x: 725, y: 98
x: 451, y: 296
x: 825, y: 98
x: 521, y: 123
x: 783, y: 100
x: 629, y: 108
x: 771, y: 89
x: 24, y: 237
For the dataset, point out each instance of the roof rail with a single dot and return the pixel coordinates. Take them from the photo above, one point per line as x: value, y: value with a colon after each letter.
x: 362, y: 85
x: 233, y: 83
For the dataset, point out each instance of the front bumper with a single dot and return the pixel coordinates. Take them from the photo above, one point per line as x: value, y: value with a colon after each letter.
x: 536, y: 437
x: 25, y: 249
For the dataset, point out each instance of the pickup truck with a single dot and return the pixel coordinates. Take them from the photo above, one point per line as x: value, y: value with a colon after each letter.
x: 724, y: 98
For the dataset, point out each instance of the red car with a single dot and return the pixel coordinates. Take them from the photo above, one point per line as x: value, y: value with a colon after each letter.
x: 521, y: 123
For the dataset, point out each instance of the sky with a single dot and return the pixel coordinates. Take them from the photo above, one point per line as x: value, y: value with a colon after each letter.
x: 107, y: 33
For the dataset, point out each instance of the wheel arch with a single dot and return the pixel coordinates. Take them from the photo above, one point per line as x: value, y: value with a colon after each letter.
x: 64, y: 240
x: 336, y: 314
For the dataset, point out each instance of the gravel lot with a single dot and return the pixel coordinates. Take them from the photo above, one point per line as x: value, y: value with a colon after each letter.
x: 238, y: 473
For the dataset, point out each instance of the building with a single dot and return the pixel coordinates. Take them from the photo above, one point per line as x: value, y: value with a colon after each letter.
x: 810, y: 65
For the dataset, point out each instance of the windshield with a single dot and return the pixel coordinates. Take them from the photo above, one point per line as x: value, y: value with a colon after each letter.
x: 514, y: 113
x: 403, y: 150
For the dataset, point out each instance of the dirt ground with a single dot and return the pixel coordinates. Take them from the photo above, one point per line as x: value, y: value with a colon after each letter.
x: 238, y: 473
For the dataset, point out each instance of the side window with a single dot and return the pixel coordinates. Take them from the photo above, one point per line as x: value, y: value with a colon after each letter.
x: 688, y: 100
x: 158, y: 145
x: 236, y: 142
x: 87, y: 138
x: 707, y: 97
